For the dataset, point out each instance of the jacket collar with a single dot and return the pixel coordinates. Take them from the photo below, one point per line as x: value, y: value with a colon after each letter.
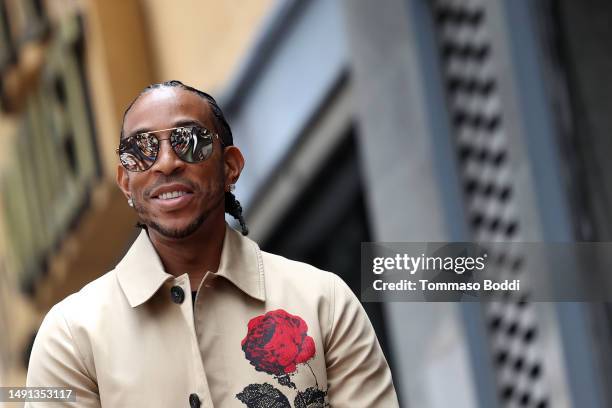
x: 141, y: 273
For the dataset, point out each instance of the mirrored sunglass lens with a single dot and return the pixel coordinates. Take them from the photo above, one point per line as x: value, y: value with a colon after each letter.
x: 192, y: 144
x: 130, y: 162
x: 139, y: 153
x: 147, y: 144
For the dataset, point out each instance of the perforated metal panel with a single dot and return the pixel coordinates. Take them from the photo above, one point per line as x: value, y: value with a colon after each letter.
x: 474, y: 103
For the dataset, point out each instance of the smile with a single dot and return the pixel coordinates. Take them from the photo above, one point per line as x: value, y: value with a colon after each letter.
x: 173, y: 200
x: 171, y: 197
x: 171, y: 194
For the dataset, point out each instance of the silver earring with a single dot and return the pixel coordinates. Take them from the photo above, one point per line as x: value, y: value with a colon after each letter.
x: 131, y: 202
x: 231, y: 187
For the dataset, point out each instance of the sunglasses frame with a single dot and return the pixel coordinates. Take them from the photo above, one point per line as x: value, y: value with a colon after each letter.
x: 120, y: 149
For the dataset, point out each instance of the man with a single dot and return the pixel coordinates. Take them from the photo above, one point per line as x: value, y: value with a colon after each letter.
x: 258, y: 331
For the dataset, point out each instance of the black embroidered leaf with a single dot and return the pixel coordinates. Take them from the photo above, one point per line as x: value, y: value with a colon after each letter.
x: 263, y: 396
x: 310, y: 398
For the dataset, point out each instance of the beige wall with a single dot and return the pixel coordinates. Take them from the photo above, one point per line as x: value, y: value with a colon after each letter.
x: 119, y: 65
x: 200, y: 42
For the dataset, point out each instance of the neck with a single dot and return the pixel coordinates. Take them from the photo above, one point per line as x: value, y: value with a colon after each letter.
x: 196, y: 254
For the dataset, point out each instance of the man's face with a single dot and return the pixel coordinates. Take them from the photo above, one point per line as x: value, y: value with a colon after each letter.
x: 201, y: 185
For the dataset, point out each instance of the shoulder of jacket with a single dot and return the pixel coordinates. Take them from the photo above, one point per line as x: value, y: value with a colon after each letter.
x: 289, y: 274
x: 280, y: 267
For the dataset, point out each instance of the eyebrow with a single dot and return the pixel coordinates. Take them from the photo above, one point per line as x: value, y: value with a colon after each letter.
x: 180, y: 123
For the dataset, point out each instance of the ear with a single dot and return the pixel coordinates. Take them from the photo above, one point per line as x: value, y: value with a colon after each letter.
x: 123, y: 180
x: 233, y: 164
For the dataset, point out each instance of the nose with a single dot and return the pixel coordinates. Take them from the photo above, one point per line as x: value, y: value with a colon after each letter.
x: 167, y: 161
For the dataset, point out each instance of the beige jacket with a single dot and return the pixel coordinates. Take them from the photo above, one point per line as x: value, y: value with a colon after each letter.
x: 265, y: 332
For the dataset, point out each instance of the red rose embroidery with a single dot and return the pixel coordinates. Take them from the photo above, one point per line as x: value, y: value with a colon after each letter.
x: 276, y: 342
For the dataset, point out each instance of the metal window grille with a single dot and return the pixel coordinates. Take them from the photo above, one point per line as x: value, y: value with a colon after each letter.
x: 474, y: 105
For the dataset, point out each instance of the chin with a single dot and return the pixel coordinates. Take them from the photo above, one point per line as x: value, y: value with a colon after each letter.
x: 177, y: 230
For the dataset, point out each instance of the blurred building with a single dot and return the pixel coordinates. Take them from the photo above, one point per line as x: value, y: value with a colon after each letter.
x: 360, y: 120
x: 68, y: 70
x: 439, y: 120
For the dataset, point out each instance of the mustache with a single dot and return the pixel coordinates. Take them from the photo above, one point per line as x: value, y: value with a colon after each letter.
x: 167, y: 180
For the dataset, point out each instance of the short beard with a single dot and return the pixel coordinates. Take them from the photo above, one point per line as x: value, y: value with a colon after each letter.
x: 178, y: 233
x: 171, y: 233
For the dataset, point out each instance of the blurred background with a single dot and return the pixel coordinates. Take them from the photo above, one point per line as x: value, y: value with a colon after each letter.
x: 360, y: 120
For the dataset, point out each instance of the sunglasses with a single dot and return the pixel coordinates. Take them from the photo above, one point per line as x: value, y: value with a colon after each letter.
x: 192, y: 144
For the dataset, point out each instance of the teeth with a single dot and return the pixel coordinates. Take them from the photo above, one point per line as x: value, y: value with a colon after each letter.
x: 171, y: 194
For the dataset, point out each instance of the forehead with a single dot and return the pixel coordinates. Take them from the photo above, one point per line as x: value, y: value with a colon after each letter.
x: 164, y: 107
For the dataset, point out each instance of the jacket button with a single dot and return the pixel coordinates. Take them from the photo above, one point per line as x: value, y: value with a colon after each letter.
x: 177, y: 294
x: 194, y: 401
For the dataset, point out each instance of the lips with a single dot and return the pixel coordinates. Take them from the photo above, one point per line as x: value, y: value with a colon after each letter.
x: 172, y: 197
x: 170, y: 191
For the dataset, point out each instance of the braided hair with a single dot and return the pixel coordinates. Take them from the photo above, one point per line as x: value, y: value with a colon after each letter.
x: 233, y: 208
x: 232, y: 205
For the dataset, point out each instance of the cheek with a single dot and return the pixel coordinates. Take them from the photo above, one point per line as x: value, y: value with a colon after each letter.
x: 212, y: 177
x: 212, y: 187
x: 135, y: 186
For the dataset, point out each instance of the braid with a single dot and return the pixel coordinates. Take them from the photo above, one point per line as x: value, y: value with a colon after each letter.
x: 233, y: 208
